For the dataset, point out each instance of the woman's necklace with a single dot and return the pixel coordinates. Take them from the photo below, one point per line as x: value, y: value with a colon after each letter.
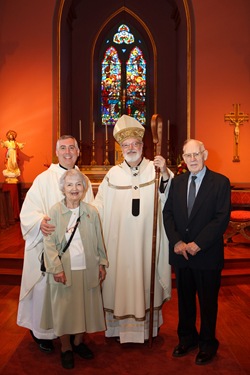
x: 72, y: 220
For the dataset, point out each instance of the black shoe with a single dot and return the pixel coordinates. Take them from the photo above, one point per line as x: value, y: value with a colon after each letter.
x: 45, y: 346
x: 83, y: 351
x: 180, y: 350
x: 34, y: 337
x: 203, y: 358
x: 67, y: 359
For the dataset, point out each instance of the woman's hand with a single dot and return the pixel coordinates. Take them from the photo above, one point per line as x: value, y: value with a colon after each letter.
x: 60, y: 277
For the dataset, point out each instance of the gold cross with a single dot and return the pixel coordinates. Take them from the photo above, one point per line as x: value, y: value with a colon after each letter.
x: 236, y: 118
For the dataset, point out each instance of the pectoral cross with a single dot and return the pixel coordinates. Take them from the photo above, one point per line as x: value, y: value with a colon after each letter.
x: 236, y: 118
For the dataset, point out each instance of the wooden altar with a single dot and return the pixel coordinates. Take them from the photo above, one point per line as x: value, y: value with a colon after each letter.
x: 95, y: 173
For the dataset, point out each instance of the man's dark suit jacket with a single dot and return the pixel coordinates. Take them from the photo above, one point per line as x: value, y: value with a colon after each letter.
x: 205, y: 226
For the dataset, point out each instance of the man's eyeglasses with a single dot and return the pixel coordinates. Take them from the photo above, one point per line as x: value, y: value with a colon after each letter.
x: 133, y: 144
x: 193, y: 155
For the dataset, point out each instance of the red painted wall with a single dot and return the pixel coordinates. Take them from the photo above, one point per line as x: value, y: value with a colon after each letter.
x: 26, y: 81
x: 222, y: 78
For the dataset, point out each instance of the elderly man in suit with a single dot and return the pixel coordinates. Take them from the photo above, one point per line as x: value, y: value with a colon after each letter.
x: 196, y: 216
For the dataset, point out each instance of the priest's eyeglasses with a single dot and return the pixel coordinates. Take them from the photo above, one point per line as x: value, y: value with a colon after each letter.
x: 193, y: 155
x: 133, y: 144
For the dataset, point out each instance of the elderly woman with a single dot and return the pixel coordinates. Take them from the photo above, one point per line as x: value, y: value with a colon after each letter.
x: 73, y: 302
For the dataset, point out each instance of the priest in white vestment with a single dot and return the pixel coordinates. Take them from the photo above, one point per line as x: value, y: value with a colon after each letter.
x: 43, y: 194
x: 125, y: 201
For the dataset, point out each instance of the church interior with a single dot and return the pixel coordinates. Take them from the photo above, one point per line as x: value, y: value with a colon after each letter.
x: 57, y: 77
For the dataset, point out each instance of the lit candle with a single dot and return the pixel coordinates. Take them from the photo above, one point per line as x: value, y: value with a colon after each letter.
x: 106, y: 131
x: 93, y: 135
x: 168, y: 130
x: 80, y: 130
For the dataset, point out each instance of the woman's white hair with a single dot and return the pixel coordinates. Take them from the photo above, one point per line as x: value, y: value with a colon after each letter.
x: 73, y: 172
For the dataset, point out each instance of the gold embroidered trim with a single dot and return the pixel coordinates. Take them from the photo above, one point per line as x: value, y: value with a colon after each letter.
x: 156, y: 308
x: 129, y: 186
x: 132, y: 132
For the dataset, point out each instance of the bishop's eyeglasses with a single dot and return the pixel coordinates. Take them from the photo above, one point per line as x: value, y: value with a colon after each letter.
x: 133, y: 144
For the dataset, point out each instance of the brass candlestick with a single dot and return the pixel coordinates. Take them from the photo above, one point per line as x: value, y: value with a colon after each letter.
x: 106, y: 161
x: 93, y: 162
x: 80, y: 154
x: 168, y: 161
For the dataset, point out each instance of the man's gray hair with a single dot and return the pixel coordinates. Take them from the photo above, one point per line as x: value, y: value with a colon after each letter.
x: 66, y: 137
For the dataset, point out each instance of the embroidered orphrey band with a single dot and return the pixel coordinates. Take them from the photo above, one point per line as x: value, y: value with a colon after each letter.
x: 129, y: 186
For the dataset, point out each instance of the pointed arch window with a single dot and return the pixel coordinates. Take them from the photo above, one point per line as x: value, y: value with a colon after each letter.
x: 123, y: 76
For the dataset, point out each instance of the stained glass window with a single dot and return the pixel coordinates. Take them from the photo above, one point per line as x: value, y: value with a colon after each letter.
x: 136, y: 85
x: 123, y: 78
x: 111, y: 87
x: 123, y: 35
